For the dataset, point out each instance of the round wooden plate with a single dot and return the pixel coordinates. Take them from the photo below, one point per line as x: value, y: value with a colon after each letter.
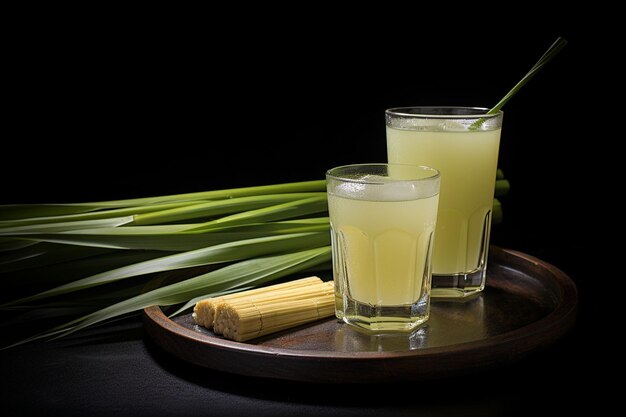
x: 527, y: 304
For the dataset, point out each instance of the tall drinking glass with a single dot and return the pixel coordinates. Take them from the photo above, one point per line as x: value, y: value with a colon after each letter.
x: 462, y: 143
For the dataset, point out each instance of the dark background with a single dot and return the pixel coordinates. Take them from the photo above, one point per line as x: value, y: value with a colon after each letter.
x: 114, y: 110
x: 113, y: 114
x: 122, y: 111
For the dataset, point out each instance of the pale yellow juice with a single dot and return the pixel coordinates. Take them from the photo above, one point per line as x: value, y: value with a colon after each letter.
x: 467, y: 161
x: 384, y: 246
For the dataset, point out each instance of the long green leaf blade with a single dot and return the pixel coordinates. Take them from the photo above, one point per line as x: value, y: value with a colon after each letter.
x: 44, y: 254
x: 93, y: 215
x: 293, y: 187
x: 245, y: 273
x: 554, y: 49
x: 151, y: 238
x: 64, y: 226
x: 9, y: 244
x: 292, y: 209
x: 227, y: 252
x: 21, y: 211
x: 219, y: 207
x: 34, y: 279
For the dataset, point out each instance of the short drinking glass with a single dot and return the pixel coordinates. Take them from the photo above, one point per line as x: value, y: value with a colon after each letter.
x: 383, y: 219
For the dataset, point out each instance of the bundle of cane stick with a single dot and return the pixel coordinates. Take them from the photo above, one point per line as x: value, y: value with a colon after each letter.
x: 250, y: 314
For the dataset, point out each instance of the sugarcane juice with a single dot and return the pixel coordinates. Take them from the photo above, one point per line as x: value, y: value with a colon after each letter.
x: 385, y: 245
x: 467, y: 161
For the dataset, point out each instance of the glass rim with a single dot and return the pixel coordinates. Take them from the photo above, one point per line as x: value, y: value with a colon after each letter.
x: 403, y: 112
x: 435, y: 173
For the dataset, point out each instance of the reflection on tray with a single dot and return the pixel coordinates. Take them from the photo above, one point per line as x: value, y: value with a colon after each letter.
x: 348, y: 339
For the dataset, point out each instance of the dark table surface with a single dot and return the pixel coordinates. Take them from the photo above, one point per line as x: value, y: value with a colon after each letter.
x: 125, y: 373
x: 118, y: 370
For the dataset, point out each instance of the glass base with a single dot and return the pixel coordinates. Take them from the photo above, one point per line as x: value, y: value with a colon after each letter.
x: 385, y: 319
x: 458, y: 285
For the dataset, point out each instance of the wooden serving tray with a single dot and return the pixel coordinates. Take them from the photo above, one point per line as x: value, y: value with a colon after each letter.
x: 528, y: 304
